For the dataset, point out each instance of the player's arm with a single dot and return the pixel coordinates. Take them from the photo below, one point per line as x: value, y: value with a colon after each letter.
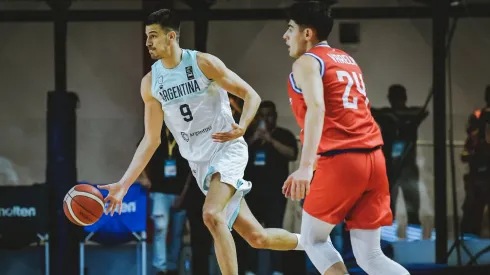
x: 306, y: 71
x: 151, y: 140
x: 216, y: 70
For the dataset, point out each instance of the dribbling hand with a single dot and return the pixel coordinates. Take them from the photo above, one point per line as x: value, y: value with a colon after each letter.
x: 235, y: 133
x: 117, y: 191
x: 298, y: 183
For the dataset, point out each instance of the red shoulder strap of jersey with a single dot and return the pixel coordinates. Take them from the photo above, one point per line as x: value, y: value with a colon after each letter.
x: 316, y: 52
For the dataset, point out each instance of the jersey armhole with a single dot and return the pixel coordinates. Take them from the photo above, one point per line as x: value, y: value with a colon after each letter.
x: 153, y: 79
x: 322, y: 63
x: 196, y: 64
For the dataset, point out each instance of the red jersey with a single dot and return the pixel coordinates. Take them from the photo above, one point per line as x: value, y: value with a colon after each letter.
x: 348, y: 121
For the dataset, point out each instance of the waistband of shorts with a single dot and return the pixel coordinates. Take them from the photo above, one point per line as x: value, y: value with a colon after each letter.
x: 350, y: 150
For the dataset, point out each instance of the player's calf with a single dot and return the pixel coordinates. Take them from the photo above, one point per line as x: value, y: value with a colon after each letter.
x: 256, y: 239
x: 263, y: 238
x: 369, y: 256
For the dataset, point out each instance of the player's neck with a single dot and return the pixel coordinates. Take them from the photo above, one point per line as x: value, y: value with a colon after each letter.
x: 315, y: 43
x: 173, y: 59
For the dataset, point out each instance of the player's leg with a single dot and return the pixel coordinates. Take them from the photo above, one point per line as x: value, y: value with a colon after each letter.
x: 371, y: 212
x: 274, y: 216
x: 250, y: 255
x: 263, y: 238
x: 316, y: 241
x: 217, y: 198
x: 369, y: 256
x: 334, y: 190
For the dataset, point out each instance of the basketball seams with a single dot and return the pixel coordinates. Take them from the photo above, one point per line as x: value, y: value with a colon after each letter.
x: 82, y: 207
x: 68, y: 200
x: 70, y: 197
x: 73, y: 193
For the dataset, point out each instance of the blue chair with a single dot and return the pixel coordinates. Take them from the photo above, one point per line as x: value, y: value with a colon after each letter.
x: 130, y: 225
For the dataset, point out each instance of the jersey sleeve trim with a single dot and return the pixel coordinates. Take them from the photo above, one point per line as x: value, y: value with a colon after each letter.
x: 293, y: 84
x: 322, y: 63
x: 153, y: 78
x: 196, y: 64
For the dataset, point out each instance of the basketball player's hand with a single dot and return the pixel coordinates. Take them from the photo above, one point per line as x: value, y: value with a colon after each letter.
x: 117, y: 191
x: 298, y: 183
x: 235, y: 133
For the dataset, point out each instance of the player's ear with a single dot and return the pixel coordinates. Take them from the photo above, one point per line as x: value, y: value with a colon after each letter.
x: 308, y: 33
x: 172, y: 35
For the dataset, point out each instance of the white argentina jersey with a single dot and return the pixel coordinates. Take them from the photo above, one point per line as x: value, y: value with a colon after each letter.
x: 194, y: 106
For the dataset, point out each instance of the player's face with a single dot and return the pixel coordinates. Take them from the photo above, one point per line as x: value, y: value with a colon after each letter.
x: 295, y: 39
x: 158, y: 41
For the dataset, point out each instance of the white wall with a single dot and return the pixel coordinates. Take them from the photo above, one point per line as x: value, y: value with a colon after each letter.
x: 105, y: 67
x: 26, y: 74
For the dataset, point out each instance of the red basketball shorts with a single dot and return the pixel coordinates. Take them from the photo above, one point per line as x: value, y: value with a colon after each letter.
x: 351, y: 186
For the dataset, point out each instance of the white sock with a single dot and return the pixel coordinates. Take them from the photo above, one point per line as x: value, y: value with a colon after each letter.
x: 299, y: 246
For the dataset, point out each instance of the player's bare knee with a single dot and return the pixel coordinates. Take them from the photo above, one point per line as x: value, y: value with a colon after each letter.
x: 257, y: 239
x: 212, y: 218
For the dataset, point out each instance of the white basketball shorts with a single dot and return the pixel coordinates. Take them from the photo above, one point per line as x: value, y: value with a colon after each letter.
x: 230, y: 160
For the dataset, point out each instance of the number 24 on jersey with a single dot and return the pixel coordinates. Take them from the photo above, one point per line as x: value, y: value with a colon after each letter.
x: 352, y: 78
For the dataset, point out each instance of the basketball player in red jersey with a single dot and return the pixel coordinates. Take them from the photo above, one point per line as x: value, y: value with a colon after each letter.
x: 328, y: 98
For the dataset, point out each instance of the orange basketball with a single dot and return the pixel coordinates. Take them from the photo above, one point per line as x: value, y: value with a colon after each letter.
x: 83, y: 205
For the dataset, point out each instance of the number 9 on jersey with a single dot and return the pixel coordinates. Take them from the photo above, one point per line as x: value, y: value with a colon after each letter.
x: 185, y: 111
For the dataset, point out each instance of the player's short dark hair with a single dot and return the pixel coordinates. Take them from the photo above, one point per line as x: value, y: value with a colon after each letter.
x: 312, y: 14
x: 167, y: 19
x: 397, y: 92
x: 268, y: 104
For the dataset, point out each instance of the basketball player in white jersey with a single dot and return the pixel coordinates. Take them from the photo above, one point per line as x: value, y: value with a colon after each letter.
x: 191, y: 89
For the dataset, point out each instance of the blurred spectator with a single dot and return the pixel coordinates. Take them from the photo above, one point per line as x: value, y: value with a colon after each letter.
x: 236, y: 105
x: 13, y: 175
x: 399, y: 124
x: 477, y: 182
x: 167, y: 172
x: 8, y: 176
x: 271, y: 148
